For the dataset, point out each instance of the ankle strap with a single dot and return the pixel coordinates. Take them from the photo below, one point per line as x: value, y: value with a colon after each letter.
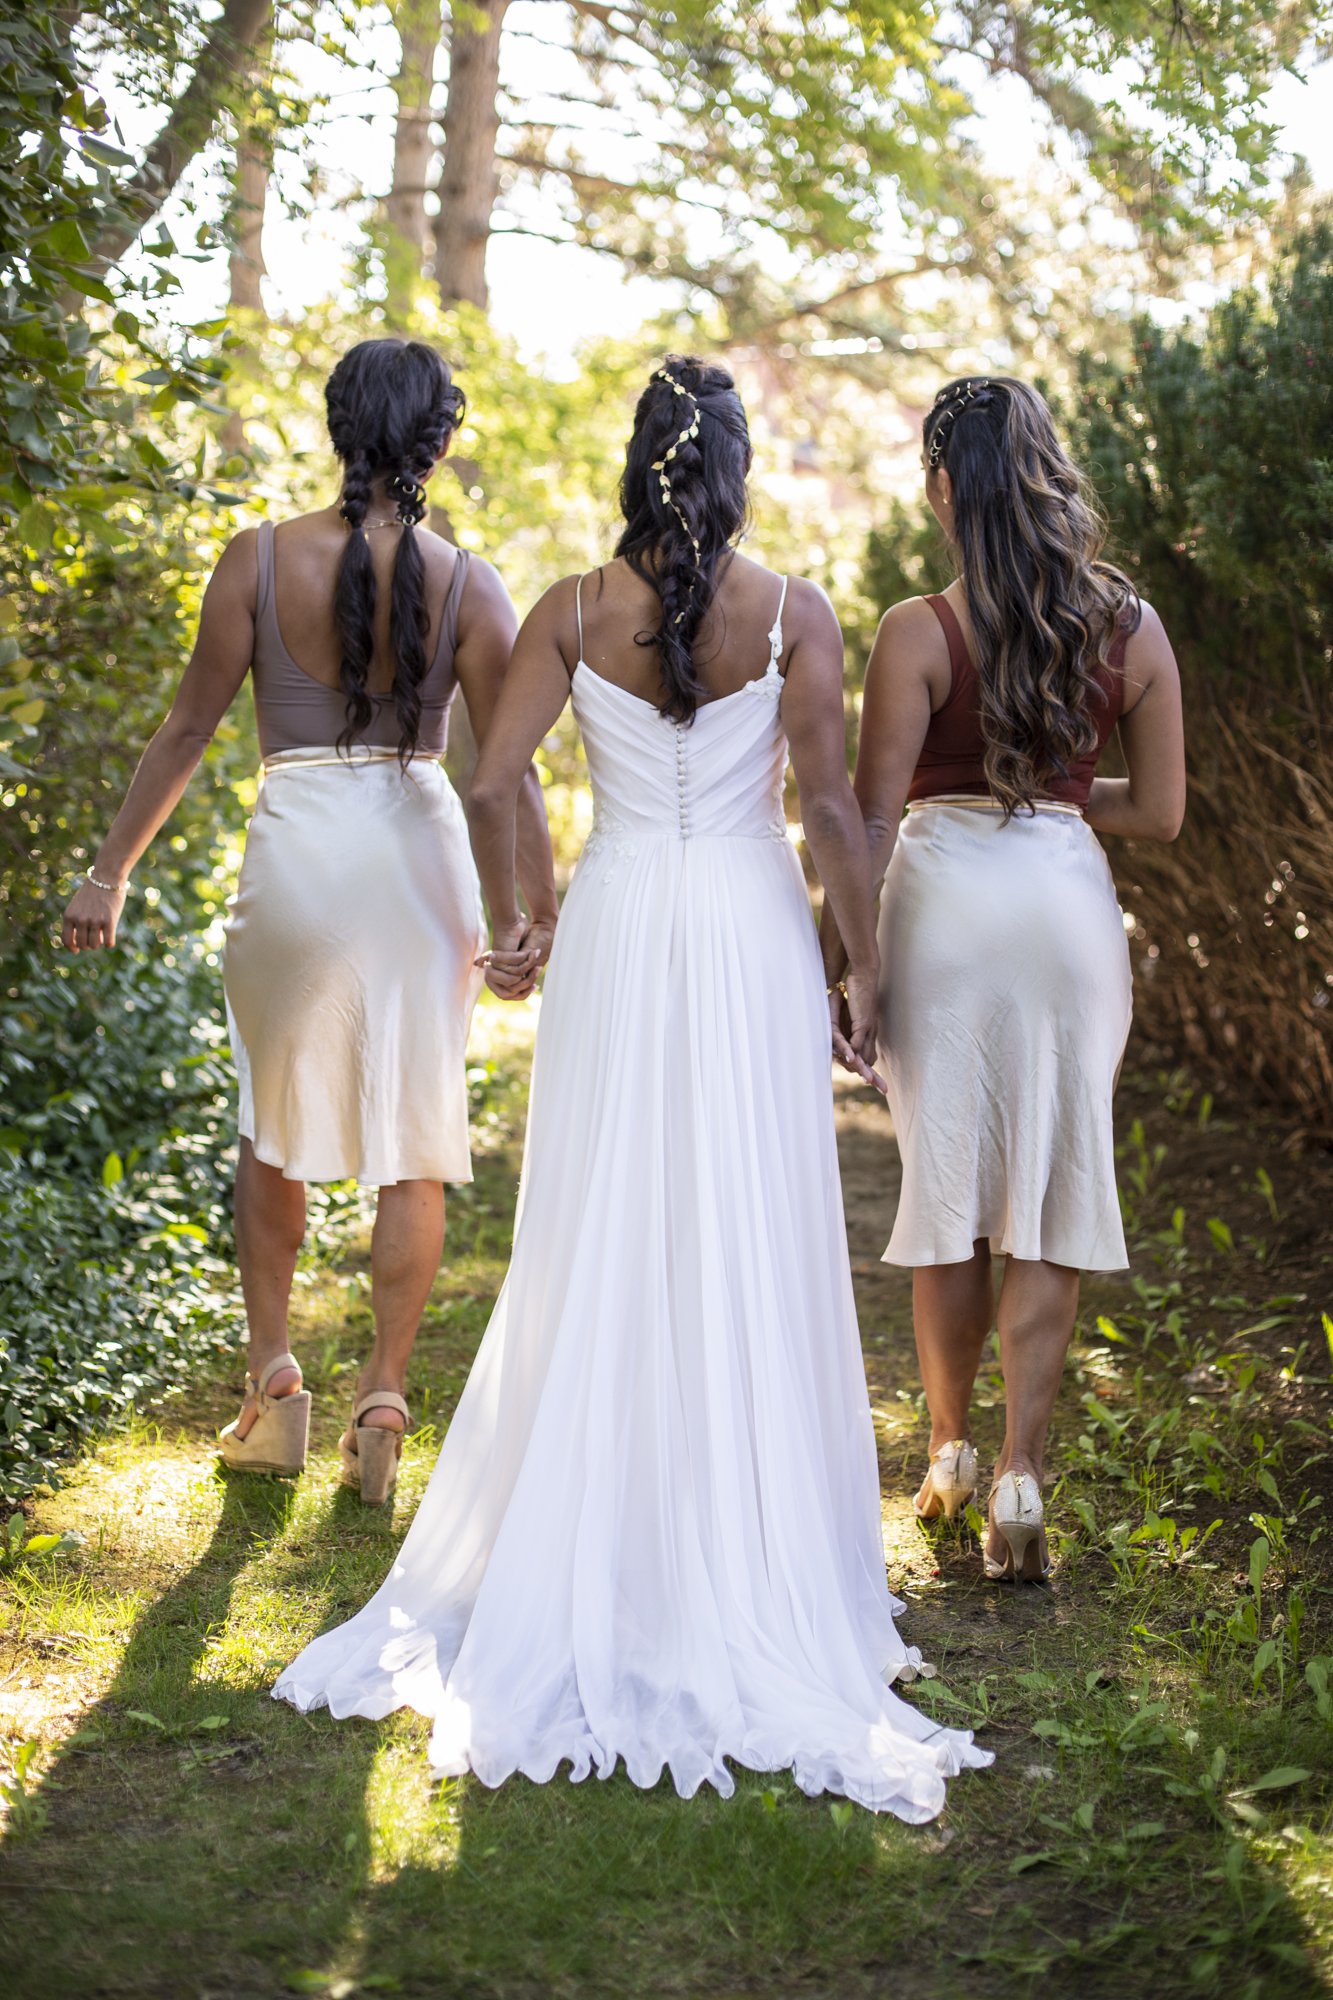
x: 381, y: 1399
x: 275, y: 1367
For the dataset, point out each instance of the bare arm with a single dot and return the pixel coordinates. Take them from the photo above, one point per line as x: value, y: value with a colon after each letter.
x: 1150, y: 802
x: 535, y: 690
x: 907, y: 673
x: 486, y: 633
x: 217, y: 668
x: 812, y: 713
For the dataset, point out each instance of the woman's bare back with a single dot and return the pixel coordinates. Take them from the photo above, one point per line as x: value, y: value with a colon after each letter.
x: 307, y: 552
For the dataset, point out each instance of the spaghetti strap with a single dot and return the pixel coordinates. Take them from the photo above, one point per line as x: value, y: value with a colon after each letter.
x: 265, y: 606
x: 447, y: 642
x: 775, y: 635
x: 578, y: 607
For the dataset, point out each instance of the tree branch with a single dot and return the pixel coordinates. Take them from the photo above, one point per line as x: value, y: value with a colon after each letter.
x: 226, y: 55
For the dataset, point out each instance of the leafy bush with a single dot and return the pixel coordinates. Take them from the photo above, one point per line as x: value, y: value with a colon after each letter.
x: 115, y: 1238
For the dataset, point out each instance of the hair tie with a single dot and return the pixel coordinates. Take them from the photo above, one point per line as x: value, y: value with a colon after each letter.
x: 660, y: 464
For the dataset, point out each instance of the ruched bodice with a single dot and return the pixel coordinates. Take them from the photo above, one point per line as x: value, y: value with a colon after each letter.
x: 717, y: 777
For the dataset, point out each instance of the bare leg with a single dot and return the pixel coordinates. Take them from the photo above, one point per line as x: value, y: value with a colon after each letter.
x: 952, y: 1309
x: 1038, y: 1306
x: 405, y: 1252
x: 270, y: 1227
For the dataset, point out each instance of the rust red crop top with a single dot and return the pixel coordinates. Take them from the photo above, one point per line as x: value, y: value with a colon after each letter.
x: 953, y: 755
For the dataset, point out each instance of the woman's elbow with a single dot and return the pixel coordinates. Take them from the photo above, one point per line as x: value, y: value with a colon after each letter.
x: 485, y: 800
x: 1170, y: 820
x: 186, y: 736
x: 828, y: 816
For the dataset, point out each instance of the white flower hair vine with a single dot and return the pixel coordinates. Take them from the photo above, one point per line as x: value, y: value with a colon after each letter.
x: 660, y: 465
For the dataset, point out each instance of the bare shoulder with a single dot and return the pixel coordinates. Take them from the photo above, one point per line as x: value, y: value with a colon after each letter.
x: 1149, y: 657
x: 236, y: 574
x: 911, y: 622
x: 483, y: 584
x: 808, y: 611
x: 1148, y: 639
x: 910, y: 639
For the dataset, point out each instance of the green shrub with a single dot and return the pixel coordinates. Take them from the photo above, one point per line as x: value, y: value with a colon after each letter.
x: 116, y: 1091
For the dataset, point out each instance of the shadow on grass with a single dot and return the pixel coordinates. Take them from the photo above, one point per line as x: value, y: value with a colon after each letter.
x: 191, y: 1838
x: 271, y: 1853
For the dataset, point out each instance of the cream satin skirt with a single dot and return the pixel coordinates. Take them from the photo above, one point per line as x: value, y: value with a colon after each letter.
x: 1005, y: 1009
x: 349, y: 970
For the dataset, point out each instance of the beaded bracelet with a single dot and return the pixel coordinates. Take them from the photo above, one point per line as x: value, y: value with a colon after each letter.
x: 110, y: 888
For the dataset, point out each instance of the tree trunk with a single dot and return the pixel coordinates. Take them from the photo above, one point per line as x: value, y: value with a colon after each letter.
x: 470, y: 182
x: 246, y: 267
x: 418, y: 24
x: 228, y: 53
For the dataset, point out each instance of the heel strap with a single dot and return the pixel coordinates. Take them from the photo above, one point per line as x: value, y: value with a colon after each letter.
x: 381, y: 1399
x: 275, y: 1367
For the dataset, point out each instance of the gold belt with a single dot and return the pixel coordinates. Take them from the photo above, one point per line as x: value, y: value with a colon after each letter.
x: 971, y: 802
x: 366, y: 753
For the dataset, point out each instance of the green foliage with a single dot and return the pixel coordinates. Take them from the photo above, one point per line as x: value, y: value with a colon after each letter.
x: 114, y: 1169
x: 69, y: 410
x: 1213, y: 456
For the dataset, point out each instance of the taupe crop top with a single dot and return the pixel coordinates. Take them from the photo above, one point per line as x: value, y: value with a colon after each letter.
x: 294, y: 711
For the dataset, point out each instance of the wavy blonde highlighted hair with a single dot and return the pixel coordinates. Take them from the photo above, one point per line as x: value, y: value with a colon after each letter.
x: 1045, y: 608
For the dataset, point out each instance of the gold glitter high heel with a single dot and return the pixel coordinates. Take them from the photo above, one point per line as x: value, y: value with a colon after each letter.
x: 950, y: 1481
x: 1017, y: 1512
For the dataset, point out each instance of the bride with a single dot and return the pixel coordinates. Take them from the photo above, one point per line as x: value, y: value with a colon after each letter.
x: 654, y: 1531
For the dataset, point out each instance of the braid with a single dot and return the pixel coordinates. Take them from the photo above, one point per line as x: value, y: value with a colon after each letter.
x: 392, y: 408
x: 684, y: 500
x: 409, y: 618
x: 354, y: 598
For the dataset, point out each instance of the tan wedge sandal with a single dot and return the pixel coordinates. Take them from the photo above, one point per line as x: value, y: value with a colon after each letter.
x: 373, y: 1467
x: 279, y: 1437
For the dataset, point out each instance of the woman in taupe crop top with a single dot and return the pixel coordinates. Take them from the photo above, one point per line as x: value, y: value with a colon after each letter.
x: 1005, y: 981
x: 352, y: 955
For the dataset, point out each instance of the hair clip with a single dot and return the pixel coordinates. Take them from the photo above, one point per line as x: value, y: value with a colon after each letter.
x: 948, y: 416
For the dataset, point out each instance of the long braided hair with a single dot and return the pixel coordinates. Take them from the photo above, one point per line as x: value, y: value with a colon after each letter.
x: 392, y: 408
x: 1044, y: 606
x: 684, y: 499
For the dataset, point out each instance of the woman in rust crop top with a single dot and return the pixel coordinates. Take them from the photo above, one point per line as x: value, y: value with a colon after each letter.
x: 351, y: 961
x: 1005, y: 994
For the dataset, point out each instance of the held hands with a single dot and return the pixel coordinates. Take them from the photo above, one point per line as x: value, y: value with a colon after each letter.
x: 517, y: 954
x: 91, y: 917
x: 854, y: 1020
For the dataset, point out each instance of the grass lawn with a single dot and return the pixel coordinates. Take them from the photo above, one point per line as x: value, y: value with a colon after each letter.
x: 1157, y: 1821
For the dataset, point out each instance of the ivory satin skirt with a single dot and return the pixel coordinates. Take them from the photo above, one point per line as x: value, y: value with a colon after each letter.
x: 1004, y: 1015
x: 349, y: 970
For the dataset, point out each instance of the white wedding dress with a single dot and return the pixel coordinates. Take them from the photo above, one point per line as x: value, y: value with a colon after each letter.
x: 653, y: 1532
